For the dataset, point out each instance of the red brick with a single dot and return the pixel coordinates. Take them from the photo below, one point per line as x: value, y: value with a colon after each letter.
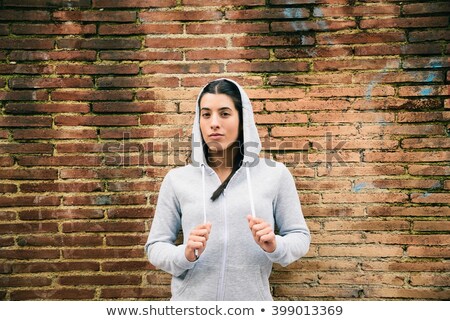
x: 53, y: 29
x: 424, y: 8
x: 53, y: 294
x: 374, y: 170
x: 27, y: 108
x: 143, y: 29
x: 25, y: 121
x: 270, y: 41
x: 252, y: 14
x: 178, y: 15
x: 112, y: 279
x: 428, y: 90
x: 145, y: 4
x: 82, y: 55
x: 267, y: 67
x: 61, y: 240
x: 214, y: 54
x: 357, y: 11
x: 114, y: 266
x: 102, y: 200
x: 33, y: 43
x: 59, y: 161
x: 227, y: 28
x: 53, y: 134
x: 141, y: 82
x: 402, y: 293
x: 436, y: 34
x: 363, y: 64
x: 220, y: 3
x: 125, y: 240
x: 140, y: 55
x: 429, y: 279
x: 428, y: 251
x: 96, y: 121
x: 50, y: 82
x: 398, y: 77
x: 184, y: 42
x: 26, y: 148
x: 185, y: 68
x: 29, y: 174
x: 93, y: 16
x: 360, y: 37
x: 91, y: 95
x: 123, y: 69
x: 407, y: 211
x: 61, y: 187
x: 313, y: 52
x: 23, y: 95
x: 432, y: 226
x: 395, y: 49
x: 23, y: 15
x: 357, y: 91
x: 49, y: 266
x: 368, y: 130
x: 98, y: 44
x: 430, y: 197
x: 25, y: 69
x: 425, y: 143
x: 29, y: 254
x: 416, y: 22
x: 429, y: 170
x: 98, y: 253
x: 150, y: 292
x: 324, y: 25
x: 310, y: 79
x: 409, y: 157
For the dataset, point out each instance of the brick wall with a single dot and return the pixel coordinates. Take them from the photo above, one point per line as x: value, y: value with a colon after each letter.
x: 96, y: 106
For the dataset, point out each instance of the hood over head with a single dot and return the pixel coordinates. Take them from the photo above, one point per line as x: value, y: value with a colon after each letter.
x: 252, y: 142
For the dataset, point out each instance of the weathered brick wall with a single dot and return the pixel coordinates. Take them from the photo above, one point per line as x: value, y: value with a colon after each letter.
x: 96, y: 106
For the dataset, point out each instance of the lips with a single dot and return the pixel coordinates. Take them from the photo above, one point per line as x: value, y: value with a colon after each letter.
x: 215, y: 136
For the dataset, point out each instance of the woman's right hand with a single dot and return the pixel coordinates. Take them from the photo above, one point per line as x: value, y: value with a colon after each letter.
x: 197, y: 241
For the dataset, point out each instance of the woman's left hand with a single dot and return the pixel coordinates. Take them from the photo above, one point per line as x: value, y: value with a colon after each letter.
x: 262, y: 233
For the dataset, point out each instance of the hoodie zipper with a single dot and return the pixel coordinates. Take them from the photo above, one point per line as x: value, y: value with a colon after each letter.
x: 221, y: 290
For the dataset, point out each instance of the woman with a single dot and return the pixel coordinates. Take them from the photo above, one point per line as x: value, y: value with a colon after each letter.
x: 227, y: 203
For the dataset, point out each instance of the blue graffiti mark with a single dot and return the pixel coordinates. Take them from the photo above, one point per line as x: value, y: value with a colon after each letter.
x: 293, y: 13
x: 426, y: 91
x: 317, y: 12
x: 430, y: 78
x: 357, y: 188
x: 103, y: 200
x: 374, y: 82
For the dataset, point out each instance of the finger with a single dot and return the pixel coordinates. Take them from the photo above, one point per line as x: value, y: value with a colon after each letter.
x: 260, y: 226
x: 267, y: 237
x: 198, y: 239
x: 264, y: 231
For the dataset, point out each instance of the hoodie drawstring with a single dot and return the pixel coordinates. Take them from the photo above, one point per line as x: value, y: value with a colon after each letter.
x: 204, y: 193
x: 250, y: 191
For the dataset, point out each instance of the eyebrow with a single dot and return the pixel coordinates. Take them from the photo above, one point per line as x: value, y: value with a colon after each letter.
x: 221, y: 108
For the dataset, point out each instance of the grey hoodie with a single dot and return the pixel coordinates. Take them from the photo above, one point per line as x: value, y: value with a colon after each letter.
x: 233, y: 266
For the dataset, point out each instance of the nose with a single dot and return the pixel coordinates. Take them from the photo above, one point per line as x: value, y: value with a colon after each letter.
x: 214, y: 121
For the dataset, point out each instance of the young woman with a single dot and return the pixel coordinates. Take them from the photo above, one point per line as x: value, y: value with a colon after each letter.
x: 227, y: 203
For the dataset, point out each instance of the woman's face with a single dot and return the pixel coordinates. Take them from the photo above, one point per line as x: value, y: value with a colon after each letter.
x: 219, y: 121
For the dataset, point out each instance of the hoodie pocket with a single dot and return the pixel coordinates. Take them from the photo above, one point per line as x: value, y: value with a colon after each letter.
x: 246, y: 283
x: 198, y: 284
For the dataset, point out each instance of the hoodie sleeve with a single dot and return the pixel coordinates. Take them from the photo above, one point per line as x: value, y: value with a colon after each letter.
x: 160, y: 247
x: 293, y: 237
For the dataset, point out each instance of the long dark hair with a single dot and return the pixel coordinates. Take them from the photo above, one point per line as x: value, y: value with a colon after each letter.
x: 223, y: 86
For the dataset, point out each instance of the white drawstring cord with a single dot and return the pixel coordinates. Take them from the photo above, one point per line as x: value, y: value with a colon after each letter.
x: 250, y: 191
x: 204, y: 193
x: 204, y: 204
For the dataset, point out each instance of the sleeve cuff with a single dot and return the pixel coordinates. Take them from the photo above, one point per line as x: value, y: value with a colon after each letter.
x: 180, y: 258
x: 279, y: 252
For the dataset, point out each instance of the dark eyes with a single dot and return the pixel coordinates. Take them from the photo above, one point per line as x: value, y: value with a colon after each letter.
x: 222, y: 114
